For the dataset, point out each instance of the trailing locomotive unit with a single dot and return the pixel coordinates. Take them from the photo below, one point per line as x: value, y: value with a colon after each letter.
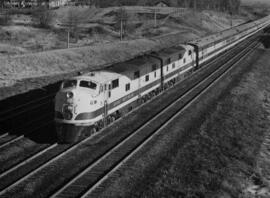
x: 96, y: 98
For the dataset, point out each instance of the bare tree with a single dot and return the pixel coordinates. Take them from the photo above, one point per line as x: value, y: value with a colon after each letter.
x: 72, y: 22
x: 44, y: 16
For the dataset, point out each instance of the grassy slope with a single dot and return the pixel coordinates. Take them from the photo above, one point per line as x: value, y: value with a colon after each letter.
x: 16, y: 69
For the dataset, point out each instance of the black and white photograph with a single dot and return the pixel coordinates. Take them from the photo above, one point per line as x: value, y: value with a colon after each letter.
x: 134, y: 98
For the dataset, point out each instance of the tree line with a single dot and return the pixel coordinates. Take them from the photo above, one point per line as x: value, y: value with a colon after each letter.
x: 219, y: 5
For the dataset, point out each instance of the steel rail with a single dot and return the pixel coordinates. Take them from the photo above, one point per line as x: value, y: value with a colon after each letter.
x: 17, y: 138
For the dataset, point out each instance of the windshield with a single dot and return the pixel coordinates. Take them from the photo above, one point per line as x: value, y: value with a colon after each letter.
x: 69, y: 84
x: 88, y: 84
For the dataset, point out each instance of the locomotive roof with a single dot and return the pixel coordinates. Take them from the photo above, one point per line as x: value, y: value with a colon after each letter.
x: 141, y: 63
x: 144, y: 63
x: 128, y: 68
x: 171, y: 51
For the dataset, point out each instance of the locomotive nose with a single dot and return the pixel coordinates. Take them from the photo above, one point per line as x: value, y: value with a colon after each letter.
x: 68, y: 109
x: 65, y: 105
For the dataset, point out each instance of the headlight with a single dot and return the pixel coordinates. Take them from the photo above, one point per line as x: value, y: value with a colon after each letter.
x: 70, y: 95
x: 68, y: 115
x: 67, y: 111
x: 92, y: 102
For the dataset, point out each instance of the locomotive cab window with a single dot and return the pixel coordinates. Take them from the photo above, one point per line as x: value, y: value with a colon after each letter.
x: 69, y: 84
x: 146, y: 78
x: 189, y: 52
x: 88, y: 84
x: 180, y: 56
x: 115, y: 83
x: 136, y: 74
x: 128, y: 87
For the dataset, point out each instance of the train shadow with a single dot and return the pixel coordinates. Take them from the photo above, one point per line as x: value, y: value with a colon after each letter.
x: 30, y: 114
x: 265, y: 38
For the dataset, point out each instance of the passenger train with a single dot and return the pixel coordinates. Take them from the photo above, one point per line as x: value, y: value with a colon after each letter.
x: 95, y: 99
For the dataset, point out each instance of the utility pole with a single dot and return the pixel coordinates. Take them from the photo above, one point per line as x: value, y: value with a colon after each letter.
x: 122, y: 15
x: 231, y: 19
x: 121, y: 28
x: 68, y: 33
x: 155, y: 16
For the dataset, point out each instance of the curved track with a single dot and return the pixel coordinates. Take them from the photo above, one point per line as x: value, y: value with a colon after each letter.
x: 98, y: 155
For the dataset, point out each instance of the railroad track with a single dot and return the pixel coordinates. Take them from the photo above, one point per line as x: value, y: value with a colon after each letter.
x: 24, y: 118
x: 99, y: 159
x: 90, y: 180
x: 24, y: 121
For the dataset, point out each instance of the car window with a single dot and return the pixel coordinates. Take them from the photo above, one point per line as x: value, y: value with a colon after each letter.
x: 69, y: 84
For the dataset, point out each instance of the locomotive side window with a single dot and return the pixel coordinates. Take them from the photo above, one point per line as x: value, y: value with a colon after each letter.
x: 154, y: 67
x: 146, y: 78
x: 69, y: 84
x: 88, y: 84
x: 184, y: 61
x: 155, y: 74
x: 173, y: 65
x: 128, y: 87
x: 189, y: 52
x: 136, y: 74
x: 167, y: 68
x: 115, y: 83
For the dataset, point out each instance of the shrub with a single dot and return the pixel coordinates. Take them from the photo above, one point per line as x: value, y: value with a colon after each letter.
x: 44, y: 17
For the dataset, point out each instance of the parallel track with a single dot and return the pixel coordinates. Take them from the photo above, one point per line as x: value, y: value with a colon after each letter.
x: 23, y: 121
x: 28, y: 172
